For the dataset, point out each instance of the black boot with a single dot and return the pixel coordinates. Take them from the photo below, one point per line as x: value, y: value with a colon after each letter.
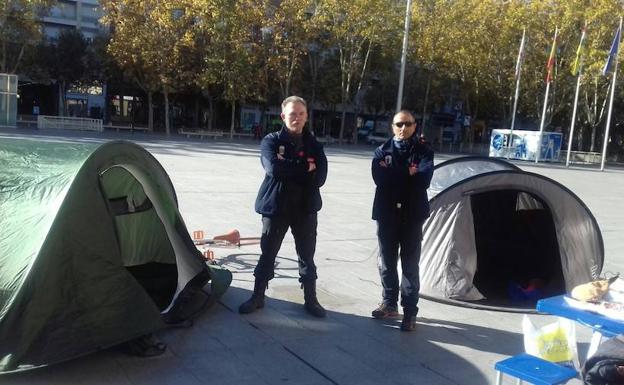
x: 257, y: 298
x: 311, y: 303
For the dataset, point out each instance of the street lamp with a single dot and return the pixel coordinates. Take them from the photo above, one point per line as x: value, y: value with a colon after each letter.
x: 404, y: 54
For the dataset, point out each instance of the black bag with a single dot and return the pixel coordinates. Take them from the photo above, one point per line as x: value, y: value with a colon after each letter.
x: 602, y: 367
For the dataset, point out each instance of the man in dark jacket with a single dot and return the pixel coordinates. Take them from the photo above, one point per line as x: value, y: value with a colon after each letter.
x: 296, y: 167
x: 402, y: 169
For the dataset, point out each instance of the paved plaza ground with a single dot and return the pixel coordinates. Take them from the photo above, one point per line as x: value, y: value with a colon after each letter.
x: 216, y: 183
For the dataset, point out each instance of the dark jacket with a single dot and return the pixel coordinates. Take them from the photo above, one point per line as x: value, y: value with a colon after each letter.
x: 395, y: 185
x: 271, y: 199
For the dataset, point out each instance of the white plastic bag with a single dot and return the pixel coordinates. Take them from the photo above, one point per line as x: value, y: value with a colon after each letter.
x: 555, y: 342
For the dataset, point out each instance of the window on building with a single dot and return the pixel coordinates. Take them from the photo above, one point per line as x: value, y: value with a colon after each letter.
x: 90, y: 14
x: 77, y: 107
x: 63, y: 10
x: 126, y: 107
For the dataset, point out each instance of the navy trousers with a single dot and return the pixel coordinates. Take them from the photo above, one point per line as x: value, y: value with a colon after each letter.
x: 303, y: 228
x: 400, y: 237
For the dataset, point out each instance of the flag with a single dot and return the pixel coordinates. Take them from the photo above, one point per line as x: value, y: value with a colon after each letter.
x: 578, y: 61
x: 551, y: 60
x: 613, y: 53
x: 520, y: 55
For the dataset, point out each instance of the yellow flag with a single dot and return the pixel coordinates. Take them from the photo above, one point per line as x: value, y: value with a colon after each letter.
x: 578, y: 61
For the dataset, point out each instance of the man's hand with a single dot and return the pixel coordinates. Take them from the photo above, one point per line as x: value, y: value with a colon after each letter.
x: 311, y: 164
x: 383, y: 164
x: 280, y: 157
x: 413, y: 169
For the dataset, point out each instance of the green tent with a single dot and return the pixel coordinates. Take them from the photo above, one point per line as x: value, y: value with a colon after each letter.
x: 93, y: 251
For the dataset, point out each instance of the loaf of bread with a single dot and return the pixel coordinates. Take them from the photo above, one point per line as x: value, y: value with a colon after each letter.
x: 591, y: 291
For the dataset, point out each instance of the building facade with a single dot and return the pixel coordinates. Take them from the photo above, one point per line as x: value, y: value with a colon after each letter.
x: 83, y: 15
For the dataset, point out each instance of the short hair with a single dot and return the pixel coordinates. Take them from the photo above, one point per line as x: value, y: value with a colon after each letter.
x: 404, y: 111
x: 294, y: 99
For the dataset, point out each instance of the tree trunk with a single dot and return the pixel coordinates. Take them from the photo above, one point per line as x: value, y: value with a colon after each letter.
x: 314, y: 72
x: 311, y: 118
x: 424, y: 114
x: 346, y: 91
x: 3, y: 63
x: 233, y: 117
x: 133, y: 112
x: 263, y: 119
x: 19, y: 58
x: 342, y: 124
x: 358, y: 93
x: 150, y: 111
x: 61, y: 98
x: 211, y: 112
x: 167, y: 123
x: 197, y: 112
x: 579, y: 138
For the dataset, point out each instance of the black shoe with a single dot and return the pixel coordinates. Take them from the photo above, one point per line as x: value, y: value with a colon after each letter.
x: 252, y: 304
x: 311, y: 303
x: 385, y: 311
x: 313, y: 307
x: 257, y: 298
x: 408, y: 324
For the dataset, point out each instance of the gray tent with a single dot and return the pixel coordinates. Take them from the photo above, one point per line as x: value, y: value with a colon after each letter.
x: 495, y: 228
x: 93, y: 251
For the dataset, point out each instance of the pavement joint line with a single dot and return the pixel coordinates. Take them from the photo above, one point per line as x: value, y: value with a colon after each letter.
x: 441, y: 374
x: 305, y: 362
x: 317, y: 370
x: 225, y: 306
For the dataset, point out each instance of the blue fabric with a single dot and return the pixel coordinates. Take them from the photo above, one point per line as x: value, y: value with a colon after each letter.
x: 612, y: 53
x: 395, y: 185
x: 290, y: 174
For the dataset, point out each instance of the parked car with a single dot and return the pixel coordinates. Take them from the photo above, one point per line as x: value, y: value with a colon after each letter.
x: 377, y: 138
x: 366, y: 129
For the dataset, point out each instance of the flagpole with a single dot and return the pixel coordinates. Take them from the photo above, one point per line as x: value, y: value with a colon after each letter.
x: 515, y: 106
x: 408, y: 14
x: 578, y: 65
x: 548, y: 80
x: 606, y: 137
x: 578, y: 87
x: 539, y: 139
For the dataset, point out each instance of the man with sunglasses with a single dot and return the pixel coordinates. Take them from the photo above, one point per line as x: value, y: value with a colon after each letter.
x: 402, y: 169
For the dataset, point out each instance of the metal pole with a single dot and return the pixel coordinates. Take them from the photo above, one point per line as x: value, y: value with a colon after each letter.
x: 404, y: 55
x: 578, y: 87
x: 515, y: 106
x: 548, y: 80
x: 606, y: 137
x: 539, y: 139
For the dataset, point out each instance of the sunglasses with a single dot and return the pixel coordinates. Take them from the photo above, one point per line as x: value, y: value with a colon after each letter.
x: 401, y: 124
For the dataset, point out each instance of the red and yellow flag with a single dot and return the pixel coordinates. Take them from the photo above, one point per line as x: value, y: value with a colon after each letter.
x: 551, y: 59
